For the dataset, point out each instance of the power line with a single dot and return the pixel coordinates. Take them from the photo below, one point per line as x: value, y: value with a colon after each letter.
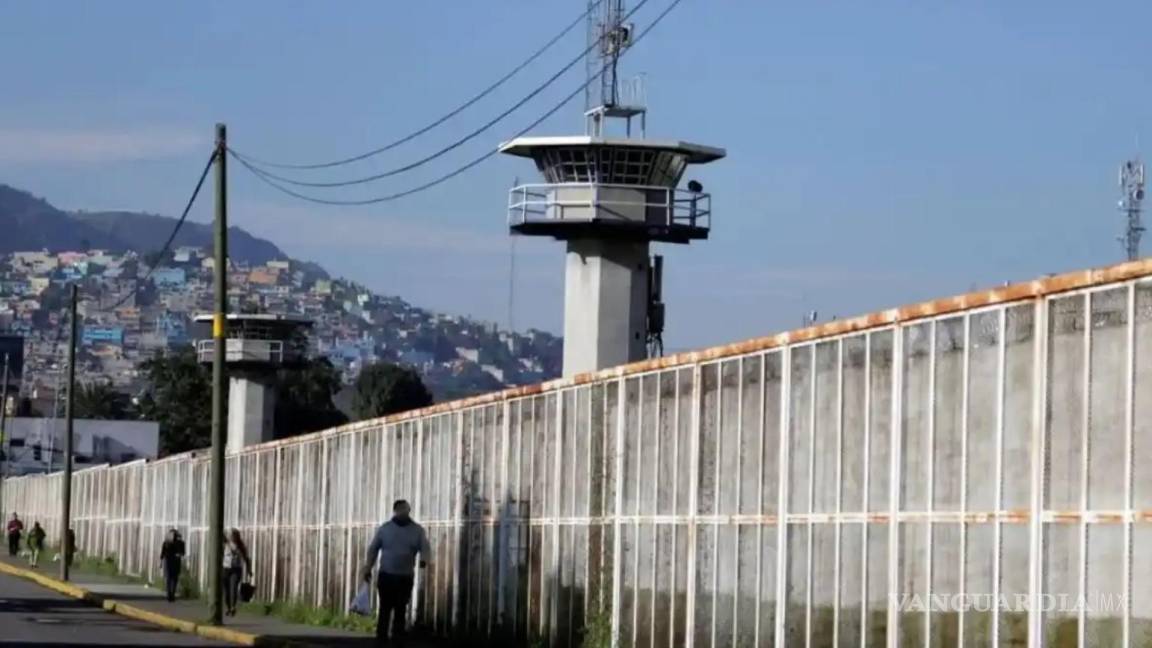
x: 464, y: 106
x: 172, y: 236
x: 270, y: 180
x: 450, y: 147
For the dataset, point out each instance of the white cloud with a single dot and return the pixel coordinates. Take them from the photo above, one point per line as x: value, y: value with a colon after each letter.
x: 33, y: 145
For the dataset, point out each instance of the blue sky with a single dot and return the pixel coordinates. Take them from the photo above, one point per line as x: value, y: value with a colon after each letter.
x: 879, y: 153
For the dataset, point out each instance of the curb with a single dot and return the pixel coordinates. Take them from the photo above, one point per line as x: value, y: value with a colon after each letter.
x: 132, y: 612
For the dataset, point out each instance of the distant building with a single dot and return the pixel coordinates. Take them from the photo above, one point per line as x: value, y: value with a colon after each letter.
x: 37, y: 285
x: 34, y: 262
x: 102, y: 334
x: 35, y: 445
x: 186, y: 254
x: 322, y: 287
x: 169, y: 277
x: 70, y: 258
x: 263, y: 277
x: 416, y: 357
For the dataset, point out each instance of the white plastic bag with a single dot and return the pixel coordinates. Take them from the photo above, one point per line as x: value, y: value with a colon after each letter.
x: 362, y: 602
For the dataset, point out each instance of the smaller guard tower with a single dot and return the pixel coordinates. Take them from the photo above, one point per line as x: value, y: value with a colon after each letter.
x: 257, y: 346
x: 608, y: 198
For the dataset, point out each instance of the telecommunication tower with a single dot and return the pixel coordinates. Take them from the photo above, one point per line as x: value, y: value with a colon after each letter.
x: 608, y: 197
x: 1131, y: 203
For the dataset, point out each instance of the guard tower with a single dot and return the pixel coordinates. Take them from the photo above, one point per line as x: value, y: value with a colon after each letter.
x: 608, y: 197
x: 257, y: 345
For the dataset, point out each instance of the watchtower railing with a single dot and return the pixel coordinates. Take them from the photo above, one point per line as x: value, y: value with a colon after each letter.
x: 592, y: 202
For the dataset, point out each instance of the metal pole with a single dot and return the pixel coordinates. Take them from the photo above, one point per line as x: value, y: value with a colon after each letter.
x: 3, y: 435
x: 66, y: 513
x: 215, y: 552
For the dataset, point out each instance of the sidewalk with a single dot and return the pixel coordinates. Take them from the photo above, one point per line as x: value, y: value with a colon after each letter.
x: 148, y: 604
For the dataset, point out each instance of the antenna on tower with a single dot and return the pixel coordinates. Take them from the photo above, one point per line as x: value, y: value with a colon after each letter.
x: 608, y: 38
x: 1131, y: 203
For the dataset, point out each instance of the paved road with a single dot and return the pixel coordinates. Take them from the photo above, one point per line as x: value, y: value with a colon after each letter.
x: 31, y: 615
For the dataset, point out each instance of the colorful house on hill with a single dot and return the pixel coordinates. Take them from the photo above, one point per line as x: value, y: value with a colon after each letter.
x: 102, y: 335
x: 169, y: 277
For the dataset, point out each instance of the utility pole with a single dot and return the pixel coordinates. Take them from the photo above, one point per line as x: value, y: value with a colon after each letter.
x: 215, y: 553
x: 66, y: 514
x: 3, y: 436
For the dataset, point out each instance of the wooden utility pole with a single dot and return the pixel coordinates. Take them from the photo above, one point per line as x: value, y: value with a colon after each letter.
x: 66, y: 513
x: 215, y: 553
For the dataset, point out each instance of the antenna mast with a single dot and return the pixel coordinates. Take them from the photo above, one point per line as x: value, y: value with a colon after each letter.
x: 608, y: 38
x: 1131, y: 203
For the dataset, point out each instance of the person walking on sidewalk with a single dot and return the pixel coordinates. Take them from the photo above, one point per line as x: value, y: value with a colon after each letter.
x: 396, y: 542
x: 171, y: 559
x: 35, y: 543
x: 15, y: 530
x: 237, y: 565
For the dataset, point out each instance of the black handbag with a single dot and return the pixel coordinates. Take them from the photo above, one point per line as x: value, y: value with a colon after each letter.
x: 247, y: 591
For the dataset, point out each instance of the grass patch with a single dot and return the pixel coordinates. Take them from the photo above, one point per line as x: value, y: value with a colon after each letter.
x: 83, y: 564
x: 295, y: 612
x: 187, y: 587
x: 597, y: 631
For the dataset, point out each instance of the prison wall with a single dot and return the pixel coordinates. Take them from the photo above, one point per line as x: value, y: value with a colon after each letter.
x: 821, y: 487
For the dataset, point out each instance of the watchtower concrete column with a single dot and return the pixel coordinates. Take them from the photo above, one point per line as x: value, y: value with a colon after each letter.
x: 605, y: 304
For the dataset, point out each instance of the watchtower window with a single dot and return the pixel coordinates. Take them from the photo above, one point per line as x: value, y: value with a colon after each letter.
x: 667, y: 170
x: 630, y: 166
x: 611, y: 165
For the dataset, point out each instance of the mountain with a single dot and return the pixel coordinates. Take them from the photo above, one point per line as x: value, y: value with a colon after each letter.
x: 32, y: 223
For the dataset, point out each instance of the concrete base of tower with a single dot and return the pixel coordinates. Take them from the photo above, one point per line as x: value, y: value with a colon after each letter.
x: 605, y: 304
x: 251, y: 409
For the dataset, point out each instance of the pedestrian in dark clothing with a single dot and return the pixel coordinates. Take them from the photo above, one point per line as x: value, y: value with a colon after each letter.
x: 15, y: 530
x: 396, y: 542
x: 172, y: 558
x: 237, y: 566
x: 35, y: 544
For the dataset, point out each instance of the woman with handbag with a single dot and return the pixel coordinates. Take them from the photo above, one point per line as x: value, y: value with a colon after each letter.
x: 237, y: 569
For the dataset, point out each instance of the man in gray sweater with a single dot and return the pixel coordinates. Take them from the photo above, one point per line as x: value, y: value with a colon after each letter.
x: 396, y: 542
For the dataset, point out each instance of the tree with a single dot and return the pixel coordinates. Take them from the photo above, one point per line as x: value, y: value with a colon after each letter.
x: 99, y: 400
x: 179, y: 397
x: 382, y: 389
x: 304, y: 398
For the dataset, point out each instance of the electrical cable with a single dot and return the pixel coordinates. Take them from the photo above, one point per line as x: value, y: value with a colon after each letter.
x: 269, y: 180
x: 172, y: 236
x: 467, y: 104
x: 450, y: 147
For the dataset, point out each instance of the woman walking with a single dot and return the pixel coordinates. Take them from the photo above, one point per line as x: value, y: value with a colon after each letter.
x: 237, y: 566
x: 35, y: 543
x: 172, y: 558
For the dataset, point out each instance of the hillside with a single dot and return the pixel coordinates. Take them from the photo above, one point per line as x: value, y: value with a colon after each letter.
x: 107, y: 254
x: 32, y: 223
